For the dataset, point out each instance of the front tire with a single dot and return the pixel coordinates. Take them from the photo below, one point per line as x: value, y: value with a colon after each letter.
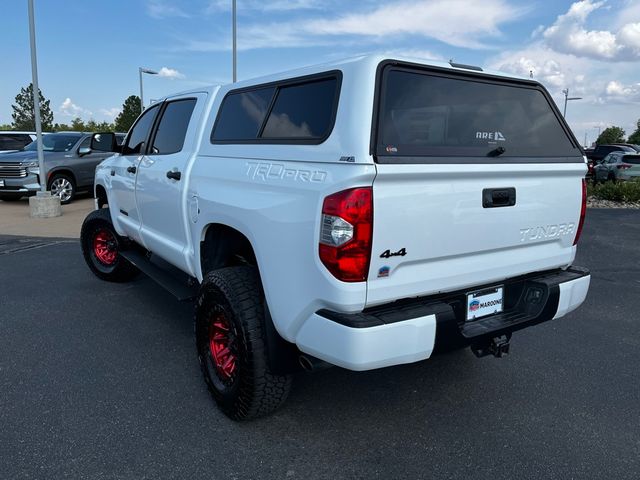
x: 101, y: 247
x: 64, y: 187
x: 230, y: 338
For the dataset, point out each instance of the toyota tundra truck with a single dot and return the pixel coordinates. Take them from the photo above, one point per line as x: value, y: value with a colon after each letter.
x: 361, y: 214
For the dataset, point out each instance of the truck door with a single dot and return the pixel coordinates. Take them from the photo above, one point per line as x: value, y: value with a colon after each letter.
x: 124, y: 172
x: 162, y: 178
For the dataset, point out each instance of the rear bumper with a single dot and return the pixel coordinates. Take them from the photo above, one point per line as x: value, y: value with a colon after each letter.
x: 410, y: 330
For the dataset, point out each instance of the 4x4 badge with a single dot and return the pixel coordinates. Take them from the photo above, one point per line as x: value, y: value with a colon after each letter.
x: 388, y: 253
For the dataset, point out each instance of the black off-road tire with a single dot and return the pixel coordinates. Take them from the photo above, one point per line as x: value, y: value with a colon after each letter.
x: 120, y: 269
x: 235, y: 294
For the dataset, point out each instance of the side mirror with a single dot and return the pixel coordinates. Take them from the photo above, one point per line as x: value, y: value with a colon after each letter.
x: 105, y: 142
x: 82, y: 151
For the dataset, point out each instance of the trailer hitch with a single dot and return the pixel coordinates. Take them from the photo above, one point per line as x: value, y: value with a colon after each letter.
x: 497, y: 346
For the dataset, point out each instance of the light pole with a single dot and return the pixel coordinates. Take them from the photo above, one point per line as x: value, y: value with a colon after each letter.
x: 566, y: 99
x: 599, y: 130
x: 43, y: 205
x: 234, y: 46
x: 142, y: 70
x: 36, y: 97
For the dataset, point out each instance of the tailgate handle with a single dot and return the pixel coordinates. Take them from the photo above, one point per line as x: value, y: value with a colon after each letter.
x: 498, y: 197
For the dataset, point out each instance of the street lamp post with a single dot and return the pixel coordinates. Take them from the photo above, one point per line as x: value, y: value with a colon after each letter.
x: 234, y: 46
x: 43, y: 205
x: 567, y: 98
x: 142, y: 70
x: 36, y: 97
x: 599, y: 130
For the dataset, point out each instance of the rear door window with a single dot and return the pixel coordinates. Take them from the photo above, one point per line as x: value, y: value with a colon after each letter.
x: 172, y: 129
x: 632, y: 159
x: 424, y: 114
x: 137, y: 138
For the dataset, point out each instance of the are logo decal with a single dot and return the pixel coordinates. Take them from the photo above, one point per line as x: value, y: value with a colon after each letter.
x: 474, y: 306
x: 495, y: 136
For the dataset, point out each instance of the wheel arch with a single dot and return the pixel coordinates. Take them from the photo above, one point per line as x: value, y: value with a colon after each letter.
x: 101, y: 195
x: 222, y: 246
x: 61, y: 171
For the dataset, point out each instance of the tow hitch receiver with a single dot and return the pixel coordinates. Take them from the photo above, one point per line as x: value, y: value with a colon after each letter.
x: 497, y: 346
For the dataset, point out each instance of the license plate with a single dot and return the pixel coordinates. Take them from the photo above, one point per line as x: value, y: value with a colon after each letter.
x: 484, y: 302
x: 1, y: 183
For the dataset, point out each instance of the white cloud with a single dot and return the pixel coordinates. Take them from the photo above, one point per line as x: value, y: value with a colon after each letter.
x: 70, y: 109
x: 110, y: 112
x: 266, y: 6
x: 462, y: 23
x: 618, y: 92
x: 159, y: 9
x: 171, y: 73
x: 569, y: 35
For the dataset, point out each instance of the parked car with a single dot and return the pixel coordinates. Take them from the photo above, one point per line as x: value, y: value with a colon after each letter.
x: 362, y: 213
x: 68, y: 158
x: 617, y: 166
x: 630, y: 145
x: 601, y: 151
x: 13, y: 141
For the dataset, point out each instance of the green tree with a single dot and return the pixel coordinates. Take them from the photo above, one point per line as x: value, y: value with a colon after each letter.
x: 131, y: 108
x: 24, y: 111
x: 635, y: 136
x: 5, y: 126
x: 61, y: 127
x: 77, y: 125
x: 611, y: 135
x: 93, y: 126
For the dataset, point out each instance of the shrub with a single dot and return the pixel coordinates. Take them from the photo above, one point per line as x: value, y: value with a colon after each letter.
x: 616, y: 192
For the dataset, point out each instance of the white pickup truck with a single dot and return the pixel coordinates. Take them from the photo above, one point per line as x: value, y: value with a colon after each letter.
x: 362, y: 213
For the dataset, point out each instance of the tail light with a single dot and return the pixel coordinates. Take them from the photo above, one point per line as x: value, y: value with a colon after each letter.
x: 583, y: 212
x: 346, y: 232
x: 623, y: 166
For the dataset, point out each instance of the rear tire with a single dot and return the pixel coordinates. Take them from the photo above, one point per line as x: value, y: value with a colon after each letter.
x: 230, y: 339
x: 101, y: 247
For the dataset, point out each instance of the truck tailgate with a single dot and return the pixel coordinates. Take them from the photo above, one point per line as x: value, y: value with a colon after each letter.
x: 432, y: 233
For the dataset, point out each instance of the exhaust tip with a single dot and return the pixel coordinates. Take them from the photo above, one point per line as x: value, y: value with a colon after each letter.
x: 306, y: 363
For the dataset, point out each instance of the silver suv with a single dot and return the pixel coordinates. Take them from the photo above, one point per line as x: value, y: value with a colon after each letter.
x: 69, y: 161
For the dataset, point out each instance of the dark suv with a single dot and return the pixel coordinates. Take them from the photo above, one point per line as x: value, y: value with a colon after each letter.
x: 602, y: 151
x: 69, y: 161
x: 12, y: 141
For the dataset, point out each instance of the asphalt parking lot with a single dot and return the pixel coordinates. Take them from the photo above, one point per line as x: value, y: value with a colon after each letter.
x: 101, y: 380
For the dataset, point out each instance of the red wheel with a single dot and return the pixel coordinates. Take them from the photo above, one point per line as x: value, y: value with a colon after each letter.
x: 231, y: 344
x: 101, y: 247
x: 223, y: 348
x: 105, y: 246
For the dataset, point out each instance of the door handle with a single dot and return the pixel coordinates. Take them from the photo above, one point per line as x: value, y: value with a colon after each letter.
x: 131, y: 169
x: 174, y: 175
x: 498, y: 197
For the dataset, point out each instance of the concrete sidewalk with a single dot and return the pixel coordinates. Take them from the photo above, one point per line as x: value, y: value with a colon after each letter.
x: 15, y: 220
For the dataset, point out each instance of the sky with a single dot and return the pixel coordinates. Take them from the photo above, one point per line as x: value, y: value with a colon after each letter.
x: 89, y: 51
